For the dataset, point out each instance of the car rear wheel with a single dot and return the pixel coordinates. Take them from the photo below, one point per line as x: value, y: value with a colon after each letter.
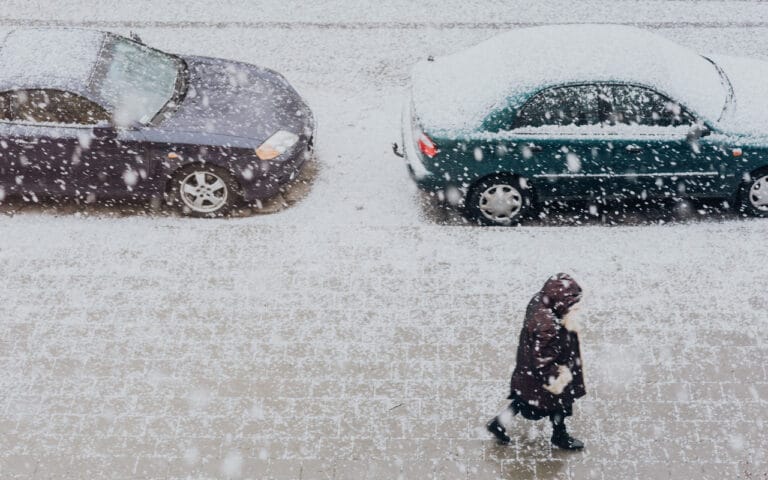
x: 500, y: 200
x: 754, y: 195
x: 204, y: 191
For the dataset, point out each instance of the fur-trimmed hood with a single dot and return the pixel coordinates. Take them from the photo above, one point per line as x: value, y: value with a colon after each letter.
x: 560, y: 293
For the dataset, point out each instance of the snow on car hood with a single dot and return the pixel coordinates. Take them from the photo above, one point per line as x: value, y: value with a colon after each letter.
x: 458, y: 91
x: 239, y: 100
x: 748, y: 114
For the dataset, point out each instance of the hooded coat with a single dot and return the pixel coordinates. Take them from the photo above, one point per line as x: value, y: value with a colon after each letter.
x: 548, y: 375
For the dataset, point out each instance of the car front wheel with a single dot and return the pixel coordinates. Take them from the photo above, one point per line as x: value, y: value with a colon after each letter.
x: 754, y: 195
x: 204, y: 191
x: 498, y: 200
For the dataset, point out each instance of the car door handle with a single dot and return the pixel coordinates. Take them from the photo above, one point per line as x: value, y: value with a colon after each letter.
x: 634, y: 148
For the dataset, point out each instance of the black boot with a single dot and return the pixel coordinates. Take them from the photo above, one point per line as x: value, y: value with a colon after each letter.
x: 498, y: 431
x: 566, y: 442
x: 560, y: 436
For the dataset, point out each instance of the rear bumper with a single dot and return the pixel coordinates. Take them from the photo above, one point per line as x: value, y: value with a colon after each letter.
x: 413, y: 161
x: 427, y: 180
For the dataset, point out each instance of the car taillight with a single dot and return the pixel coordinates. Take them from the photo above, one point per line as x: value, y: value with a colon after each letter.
x: 427, y: 146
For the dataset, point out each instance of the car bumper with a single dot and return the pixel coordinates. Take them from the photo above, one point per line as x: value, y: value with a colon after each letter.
x: 426, y: 180
x: 416, y: 168
x: 273, y: 175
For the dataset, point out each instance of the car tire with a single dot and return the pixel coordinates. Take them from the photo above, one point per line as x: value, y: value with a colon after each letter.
x: 498, y: 200
x: 204, y: 191
x: 753, y: 195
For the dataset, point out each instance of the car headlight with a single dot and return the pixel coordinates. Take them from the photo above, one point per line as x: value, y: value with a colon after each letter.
x: 276, y: 145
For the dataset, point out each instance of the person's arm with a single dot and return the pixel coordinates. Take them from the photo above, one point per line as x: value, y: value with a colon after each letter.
x: 546, y: 349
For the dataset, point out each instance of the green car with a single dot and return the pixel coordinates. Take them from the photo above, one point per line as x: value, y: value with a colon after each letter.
x: 591, y: 112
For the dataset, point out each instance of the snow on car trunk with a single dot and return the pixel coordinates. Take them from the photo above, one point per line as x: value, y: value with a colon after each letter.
x: 458, y: 91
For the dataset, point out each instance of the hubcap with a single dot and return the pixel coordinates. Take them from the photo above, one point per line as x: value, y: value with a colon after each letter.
x: 758, y: 194
x: 204, y: 192
x: 501, y: 203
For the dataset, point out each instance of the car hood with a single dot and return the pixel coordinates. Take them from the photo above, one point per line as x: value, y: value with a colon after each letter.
x: 748, y: 113
x: 237, y: 100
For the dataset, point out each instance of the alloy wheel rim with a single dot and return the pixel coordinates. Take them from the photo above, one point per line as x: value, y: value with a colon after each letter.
x: 500, y: 203
x: 204, y: 192
x: 758, y: 194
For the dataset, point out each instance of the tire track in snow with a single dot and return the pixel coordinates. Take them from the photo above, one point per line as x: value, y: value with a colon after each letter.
x: 269, y: 25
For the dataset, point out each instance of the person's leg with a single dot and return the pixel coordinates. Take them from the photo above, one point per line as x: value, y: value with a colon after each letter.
x: 560, y: 436
x: 507, y: 414
x: 497, y: 426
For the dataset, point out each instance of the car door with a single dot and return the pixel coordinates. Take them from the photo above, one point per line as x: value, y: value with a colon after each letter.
x: 37, y: 147
x: 559, y: 133
x: 655, y: 149
x: 47, y: 132
x: 114, y: 165
x: 8, y: 153
x: 98, y: 165
x: 75, y: 149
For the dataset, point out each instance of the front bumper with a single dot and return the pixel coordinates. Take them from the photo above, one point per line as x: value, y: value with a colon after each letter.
x: 266, y: 181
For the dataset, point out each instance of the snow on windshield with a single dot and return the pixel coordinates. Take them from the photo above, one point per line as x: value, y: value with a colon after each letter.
x: 457, y: 92
x: 139, y: 81
x: 748, y: 113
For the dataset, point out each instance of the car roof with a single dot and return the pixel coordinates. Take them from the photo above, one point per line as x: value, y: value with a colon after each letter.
x: 50, y: 58
x: 459, y: 91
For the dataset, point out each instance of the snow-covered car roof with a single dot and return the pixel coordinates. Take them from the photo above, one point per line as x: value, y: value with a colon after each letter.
x: 51, y: 58
x: 457, y: 92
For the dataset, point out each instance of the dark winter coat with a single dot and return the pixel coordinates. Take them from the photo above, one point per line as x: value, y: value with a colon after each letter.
x: 546, y: 345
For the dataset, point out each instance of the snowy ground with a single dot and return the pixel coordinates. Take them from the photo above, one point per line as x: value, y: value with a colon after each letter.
x: 364, y: 333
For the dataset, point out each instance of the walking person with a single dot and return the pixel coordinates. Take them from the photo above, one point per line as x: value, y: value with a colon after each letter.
x: 548, y: 376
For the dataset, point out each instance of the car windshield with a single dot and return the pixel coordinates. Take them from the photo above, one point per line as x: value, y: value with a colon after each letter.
x: 726, y: 85
x: 137, y: 81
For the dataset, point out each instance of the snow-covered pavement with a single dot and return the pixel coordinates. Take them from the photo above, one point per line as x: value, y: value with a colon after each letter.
x: 361, y: 333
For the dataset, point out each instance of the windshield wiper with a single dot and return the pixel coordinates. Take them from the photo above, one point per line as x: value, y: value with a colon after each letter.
x: 182, y: 83
x: 726, y: 83
x: 179, y: 92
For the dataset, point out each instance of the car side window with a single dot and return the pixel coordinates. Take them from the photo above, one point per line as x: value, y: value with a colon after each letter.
x: 568, y: 105
x: 52, y: 106
x: 632, y: 105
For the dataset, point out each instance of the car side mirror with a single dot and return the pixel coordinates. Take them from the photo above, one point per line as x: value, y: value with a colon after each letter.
x: 104, y: 131
x: 697, y: 131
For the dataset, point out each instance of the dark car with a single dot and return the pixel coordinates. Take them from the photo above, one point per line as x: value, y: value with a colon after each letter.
x: 587, y: 112
x: 92, y: 114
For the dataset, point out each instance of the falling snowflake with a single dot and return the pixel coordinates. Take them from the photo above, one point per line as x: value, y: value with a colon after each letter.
x: 573, y: 162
